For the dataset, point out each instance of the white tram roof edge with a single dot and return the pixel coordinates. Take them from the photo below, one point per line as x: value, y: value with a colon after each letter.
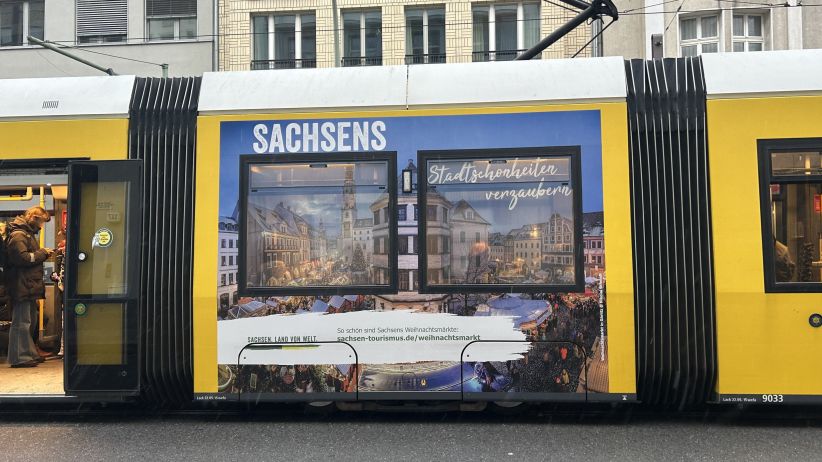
x: 761, y: 74
x: 414, y: 86
x: 583, y: 80
x: 66, y: 97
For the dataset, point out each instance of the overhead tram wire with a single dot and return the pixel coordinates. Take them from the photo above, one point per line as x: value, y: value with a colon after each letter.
x: 631, y: 12
x: 593, y: 38
x: 647, y: 6
x: 678, y: 9
x: 563, y: 6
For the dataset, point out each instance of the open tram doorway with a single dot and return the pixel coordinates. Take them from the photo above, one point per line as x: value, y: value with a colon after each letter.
x: 89, y: 309
x: 21, y: 188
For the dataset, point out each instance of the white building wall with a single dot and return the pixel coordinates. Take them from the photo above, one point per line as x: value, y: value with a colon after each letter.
x: 184, y: 57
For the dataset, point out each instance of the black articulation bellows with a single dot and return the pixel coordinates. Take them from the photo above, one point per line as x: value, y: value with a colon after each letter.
x: 671, y: 219
x: 162, y: 133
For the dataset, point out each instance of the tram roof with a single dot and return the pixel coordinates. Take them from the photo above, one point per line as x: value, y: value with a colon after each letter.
x: 415, y: 86
x: 761, y: 74
x: 66, y: 97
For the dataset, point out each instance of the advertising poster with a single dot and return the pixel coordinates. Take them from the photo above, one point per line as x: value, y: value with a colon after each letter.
x: 514, y: 241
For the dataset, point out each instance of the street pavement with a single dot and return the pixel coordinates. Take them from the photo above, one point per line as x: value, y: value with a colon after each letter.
x: 292, y: 435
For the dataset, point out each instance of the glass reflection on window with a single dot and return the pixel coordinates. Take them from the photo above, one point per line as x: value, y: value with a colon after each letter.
x: 796, y: 216
x: 510, y: 221
x: 304, y: 221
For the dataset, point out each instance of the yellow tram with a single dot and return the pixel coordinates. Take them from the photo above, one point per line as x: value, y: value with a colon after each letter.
x: 591, y: 230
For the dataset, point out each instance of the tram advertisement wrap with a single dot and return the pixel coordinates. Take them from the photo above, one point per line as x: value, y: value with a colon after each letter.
x: 513, y: 213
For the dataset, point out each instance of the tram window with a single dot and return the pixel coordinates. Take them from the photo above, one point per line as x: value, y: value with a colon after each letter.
x: 528, y: 197
x: 791, y: 177
x: 303, y: 215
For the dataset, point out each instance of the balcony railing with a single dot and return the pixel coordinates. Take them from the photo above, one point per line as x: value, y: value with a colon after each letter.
x: 425, y: 59
x: 499, y: 55
x: 263, y: 64
x: 362, y: 61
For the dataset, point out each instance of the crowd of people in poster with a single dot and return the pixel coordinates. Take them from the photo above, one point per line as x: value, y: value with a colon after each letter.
x: 338, y: 236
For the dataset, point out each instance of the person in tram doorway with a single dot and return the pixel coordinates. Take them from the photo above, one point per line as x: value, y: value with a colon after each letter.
x: 57, y: 277
x: 25, y: 282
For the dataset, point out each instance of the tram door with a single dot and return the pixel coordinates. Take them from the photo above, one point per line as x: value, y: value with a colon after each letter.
x: 103, y: 278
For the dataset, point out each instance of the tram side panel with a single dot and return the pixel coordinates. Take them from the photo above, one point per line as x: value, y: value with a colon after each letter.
x: 323, y: 272
x: 767, y: 224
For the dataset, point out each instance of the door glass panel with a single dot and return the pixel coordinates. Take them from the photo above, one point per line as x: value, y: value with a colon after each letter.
x: 99, y: 334
x: 103, y: 238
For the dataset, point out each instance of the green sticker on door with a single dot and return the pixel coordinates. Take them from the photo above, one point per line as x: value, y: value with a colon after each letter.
x: 80, y: 309
x: 102, y: 238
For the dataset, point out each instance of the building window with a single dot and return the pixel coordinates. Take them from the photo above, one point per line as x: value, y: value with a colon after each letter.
x: 100, y: 21
x: 503, y: 31
x: 222, y: 244
x: 293, y: 194
x: 402, y: 212
x: 747, y: 32
x: 377, y: 217
x: 403, y: 245
x: 699, y: 35
x: 231, y: 260
x: 222, y: 279
x: 222, y: 260
x: 231, y: 278
x: 362, y: 38
x: 500, y: 206
x: 176, y: 20
x: 416, y: 212
x: 230, y: 243
x: 404, y: 280
x: 284, y: 41
x: 19, y: 19
x: 431, y: 213
x: 791, y: 205
x: 424, y: 35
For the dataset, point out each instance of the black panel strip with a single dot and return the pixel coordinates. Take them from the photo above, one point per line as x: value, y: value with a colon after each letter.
x: 162, y: 132
x: 671, y: 221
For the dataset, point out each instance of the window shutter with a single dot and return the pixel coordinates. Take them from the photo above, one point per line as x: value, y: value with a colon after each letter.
x: 102, y: 17
x: 171, y: 8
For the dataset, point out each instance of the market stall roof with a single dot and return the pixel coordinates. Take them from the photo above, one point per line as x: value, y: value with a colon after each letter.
x: 336, y: 301
x: 252, y: 306
x: 319, y: 306
x: 521, y: 310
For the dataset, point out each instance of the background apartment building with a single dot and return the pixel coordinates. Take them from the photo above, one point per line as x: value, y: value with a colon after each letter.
x: 273, y: 34
x: 655, y: 29
x: 129, y: 36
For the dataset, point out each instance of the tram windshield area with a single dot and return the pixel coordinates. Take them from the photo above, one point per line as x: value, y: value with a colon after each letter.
x: 21, y: 191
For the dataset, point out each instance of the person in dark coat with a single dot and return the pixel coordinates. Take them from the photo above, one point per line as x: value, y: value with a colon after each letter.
x: 25, y: 282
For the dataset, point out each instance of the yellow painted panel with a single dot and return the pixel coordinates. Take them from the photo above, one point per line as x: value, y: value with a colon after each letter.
x: 100, y: 335
x: 98, y: 139
x: 620, y: 327
x: 618, y: 251
x: 206, y: 217
x: 765, y: 343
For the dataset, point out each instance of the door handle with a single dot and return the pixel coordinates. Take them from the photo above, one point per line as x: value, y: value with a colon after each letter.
x: 81, y: 256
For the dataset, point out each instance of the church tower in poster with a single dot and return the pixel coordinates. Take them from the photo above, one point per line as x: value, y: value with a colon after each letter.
x: 349, y: 214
